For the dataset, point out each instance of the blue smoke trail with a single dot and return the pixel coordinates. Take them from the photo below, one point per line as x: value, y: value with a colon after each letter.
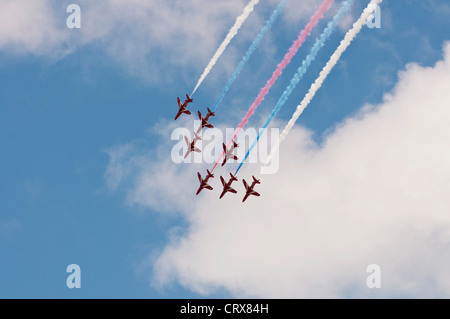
x: 320, y: 42
x: 250, y: 51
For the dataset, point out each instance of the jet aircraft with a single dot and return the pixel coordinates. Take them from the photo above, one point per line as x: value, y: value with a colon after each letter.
x: 229, y: 153
x: 191, y: 146
x: 204, y: 120
x: 204, y: 182
x: 183, y: 107
x: 250, y: 189
x: 227, y: 186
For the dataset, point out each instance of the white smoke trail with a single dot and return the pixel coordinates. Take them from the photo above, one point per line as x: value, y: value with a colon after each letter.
x: 345, y: 43
x: 233, y: 31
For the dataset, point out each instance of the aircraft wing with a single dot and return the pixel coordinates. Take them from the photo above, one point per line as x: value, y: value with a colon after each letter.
x: 199, y: 177
x: 245, y: 184
x: 222, y: 180
x: 232, y: 190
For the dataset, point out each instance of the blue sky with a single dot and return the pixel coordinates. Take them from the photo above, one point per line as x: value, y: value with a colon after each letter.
x: 63, y: 115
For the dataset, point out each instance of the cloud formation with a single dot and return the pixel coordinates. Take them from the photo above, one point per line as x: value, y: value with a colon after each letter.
x: 29, y: 26
x: 375, y: 192
x: 137, y: 35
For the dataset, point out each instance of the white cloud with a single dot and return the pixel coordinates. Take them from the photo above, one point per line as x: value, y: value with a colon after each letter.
x: 377, y: 191
x: 138, y: 34
x: 29, y: 26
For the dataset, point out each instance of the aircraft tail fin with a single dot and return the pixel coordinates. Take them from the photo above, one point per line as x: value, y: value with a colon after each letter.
x: 256, y: 181
x: 210, y: 113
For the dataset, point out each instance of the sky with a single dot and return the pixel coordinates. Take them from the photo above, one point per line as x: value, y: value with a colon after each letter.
x: 87, y: 178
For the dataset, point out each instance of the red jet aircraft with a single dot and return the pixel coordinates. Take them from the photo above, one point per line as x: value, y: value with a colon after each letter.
x: 205, y: 120
x: 249, y: 189
x: 204, y: 182
x: 183, y: 107
x: 227, y: 186
x: 229, y: 153
x: 191, y: 146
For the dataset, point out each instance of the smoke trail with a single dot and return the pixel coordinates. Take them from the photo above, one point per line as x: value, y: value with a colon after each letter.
x: 351, y: 34
x: 250, y: 51
x: 320, y: 42
x: 233, y: 31
x: 287, y: 58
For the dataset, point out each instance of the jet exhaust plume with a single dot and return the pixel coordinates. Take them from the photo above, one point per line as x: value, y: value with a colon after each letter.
x: 345, y: 43
x: 320, y: 42
x: 233, y: 31
x: 250, y: 51
x: 324, y: 7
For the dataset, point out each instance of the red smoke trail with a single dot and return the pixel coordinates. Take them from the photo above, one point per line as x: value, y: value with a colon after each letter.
x: 325, y: 6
